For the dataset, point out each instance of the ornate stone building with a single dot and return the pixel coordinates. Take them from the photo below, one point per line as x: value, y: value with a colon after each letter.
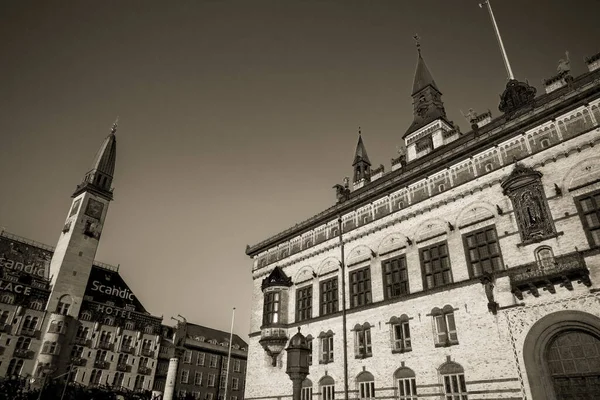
x: 61, y: 311
x: 470, y: 270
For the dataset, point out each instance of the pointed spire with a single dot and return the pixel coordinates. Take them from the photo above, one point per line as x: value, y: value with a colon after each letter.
x: 423, y: 77
x: 361, y: 151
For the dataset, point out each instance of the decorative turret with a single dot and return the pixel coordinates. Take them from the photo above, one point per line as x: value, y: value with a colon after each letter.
x: 99, y: 178
x: 361, y: 164
x: 430, y: 127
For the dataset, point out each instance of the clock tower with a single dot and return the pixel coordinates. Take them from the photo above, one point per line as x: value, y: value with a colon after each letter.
x: 73, y: 257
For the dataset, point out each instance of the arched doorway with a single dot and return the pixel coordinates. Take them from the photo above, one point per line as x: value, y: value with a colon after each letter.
x: 573, y: 359
x: 561, y: 353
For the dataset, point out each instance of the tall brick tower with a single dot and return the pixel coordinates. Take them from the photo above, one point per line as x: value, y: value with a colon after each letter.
x: 73, y: 258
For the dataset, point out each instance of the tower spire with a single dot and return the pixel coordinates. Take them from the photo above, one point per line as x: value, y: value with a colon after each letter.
x: 502, y: 50
x: 361, y: 163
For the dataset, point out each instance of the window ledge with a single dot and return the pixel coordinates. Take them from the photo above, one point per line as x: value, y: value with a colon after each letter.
x: 446, y: 344
x: 362, y: 356
x: 323, y: 362
x: 400, y: 351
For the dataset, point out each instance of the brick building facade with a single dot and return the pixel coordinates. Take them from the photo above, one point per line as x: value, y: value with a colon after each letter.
x: 471, y: 269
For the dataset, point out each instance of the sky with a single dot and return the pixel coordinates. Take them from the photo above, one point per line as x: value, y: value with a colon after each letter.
x: 236, y: 118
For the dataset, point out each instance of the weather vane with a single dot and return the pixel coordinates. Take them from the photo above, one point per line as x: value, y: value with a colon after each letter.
x: 418, y: 42
x: 114, y: 127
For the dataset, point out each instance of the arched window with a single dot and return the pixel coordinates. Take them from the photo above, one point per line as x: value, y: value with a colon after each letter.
x: 23, y: 343
x: 86, y: 316
x: 326, y: 347
x: 14, y: 367
x: 400, y: 334
x: 453, y: 377
x: 149, y: 329
x: 4, y: 317
x: 406, y: 384
x: 57, y: 326
x: 64, y: 303
x: 366, y: 385
x: 109, y: 321
x: 544, y: 257
x: 7, y: 298
x: 306, y: 393
x: 444, y: 326
x: 95, y: 377
x: 309, y: 342
x: 36, y: 305
x: 130, y: 325
x: 327, y: 386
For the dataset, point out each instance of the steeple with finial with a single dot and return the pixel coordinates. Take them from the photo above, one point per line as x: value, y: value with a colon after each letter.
x: 99, y: 178
x: 361, y: 163
x: 428, y: 109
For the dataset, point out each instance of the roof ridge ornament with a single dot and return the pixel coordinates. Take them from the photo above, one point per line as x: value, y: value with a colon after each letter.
x: 418, y: 43
x: 113, y: 130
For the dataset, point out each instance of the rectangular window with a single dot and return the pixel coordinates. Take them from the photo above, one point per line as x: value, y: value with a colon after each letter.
x: 235, y: 383
x: 455, y: 387
x: 328, y: 392
x: 329, y: 296
x: 200, y: 360
x: 589, y: 211
x: 187, y: 357
x: 366, y: 390
x: 436, y: 265
x: 304, y: 303
x: 208, y: 396
x: 401, y: 336
x: 407, y: 389
x: 362, y: 346
x: 222, y: 382
x: 306, y: 393
x: 236, y: 365
x: 445, y: 329
x: 185, y: 375
x: 326, y: 349
x: 483, y: 251
x: 310, y: 353
x: 211, y: 380
x: 198, y: 379
x: 213, y: 361
x: 271, y: 309
x: 360, y: 287
x: 395, y: 277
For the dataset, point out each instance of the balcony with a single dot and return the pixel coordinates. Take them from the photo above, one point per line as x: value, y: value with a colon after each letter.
x: 273, y: 340
x: 148, y: 353
x: 144, y: 370
x: 30, y: 333
x: 78, y: 361
x: 127, y: 349
x: 123, y: 368
x: 55, y: 329
x: 105, y: 345
x: 101, y: 364
x: 562, y: 272
x: 83, y: 341
x: 23, y: 353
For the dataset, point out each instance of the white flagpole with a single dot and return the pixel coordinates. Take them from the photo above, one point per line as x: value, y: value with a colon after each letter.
x: 504, y: 56
x: 229, y: 353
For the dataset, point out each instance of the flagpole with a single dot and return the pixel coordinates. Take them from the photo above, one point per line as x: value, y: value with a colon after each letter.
x: 504, y: 56
x: 345, y: 335
x: 229, y: 353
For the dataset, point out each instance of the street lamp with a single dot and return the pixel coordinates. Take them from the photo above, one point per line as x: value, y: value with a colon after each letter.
x: 297, y: 362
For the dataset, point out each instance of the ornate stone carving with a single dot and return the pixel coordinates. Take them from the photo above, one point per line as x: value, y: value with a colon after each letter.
x: 516, y: 95
x: 487, y: 280
x: 524, y: 188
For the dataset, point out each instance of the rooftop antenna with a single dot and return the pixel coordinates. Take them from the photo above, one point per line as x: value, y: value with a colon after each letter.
x: 504, y: 56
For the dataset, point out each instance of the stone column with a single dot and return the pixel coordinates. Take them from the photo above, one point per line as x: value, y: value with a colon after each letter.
x: 171, y: 378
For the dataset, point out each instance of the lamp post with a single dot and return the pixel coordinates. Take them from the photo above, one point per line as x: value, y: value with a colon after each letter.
x: 297, y: 362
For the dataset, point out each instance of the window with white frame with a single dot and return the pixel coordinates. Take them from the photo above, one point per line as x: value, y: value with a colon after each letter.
x: 306, y: 393
x: 235, y: 383
x: 198, y: 379
x: 222, y: 381
x: 187, y: 357
x: 366, y: 385
x: 236, y: 366
x: 453, y: 376
x: 362, y: 341
x: 208, y: 396
x: 544, y: 257
x: 406, y: 384
x: 444, y: 326
x: 327, y: 386
x: 213, y: 361
x: 211, y: 380
x: 200, y: 359
x: 400, y: 332
x: 185, y: 376
x: 326, y: 341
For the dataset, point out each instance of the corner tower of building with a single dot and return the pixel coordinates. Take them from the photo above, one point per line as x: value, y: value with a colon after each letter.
x: 361, y: 164
x: 430, y: 127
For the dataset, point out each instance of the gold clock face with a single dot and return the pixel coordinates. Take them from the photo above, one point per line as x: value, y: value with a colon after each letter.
x: 94, y: 209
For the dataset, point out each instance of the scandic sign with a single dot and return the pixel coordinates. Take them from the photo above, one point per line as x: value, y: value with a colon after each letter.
x: 112, y: 290
x: 19, y: 266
